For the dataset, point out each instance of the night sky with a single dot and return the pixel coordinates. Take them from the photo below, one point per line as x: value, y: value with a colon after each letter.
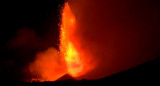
x: 119, y: 34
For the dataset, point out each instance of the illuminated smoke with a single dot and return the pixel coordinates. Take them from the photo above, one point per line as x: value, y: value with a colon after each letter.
x: 48, y: 66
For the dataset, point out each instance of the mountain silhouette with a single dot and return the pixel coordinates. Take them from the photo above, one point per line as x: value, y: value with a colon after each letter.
x: 65, y: 77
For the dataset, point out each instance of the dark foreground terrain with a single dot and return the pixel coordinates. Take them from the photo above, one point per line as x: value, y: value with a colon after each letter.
x: 144, y: 74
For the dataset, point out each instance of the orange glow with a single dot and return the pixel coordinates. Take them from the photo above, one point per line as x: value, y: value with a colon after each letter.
x: 67, y: 47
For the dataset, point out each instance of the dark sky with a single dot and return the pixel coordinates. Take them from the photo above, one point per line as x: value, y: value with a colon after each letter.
x: 26, y: 28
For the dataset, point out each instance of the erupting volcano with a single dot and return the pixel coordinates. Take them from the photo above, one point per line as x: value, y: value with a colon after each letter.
x: 50, y: 65
x: 98, y: 39
x: 80, y: 41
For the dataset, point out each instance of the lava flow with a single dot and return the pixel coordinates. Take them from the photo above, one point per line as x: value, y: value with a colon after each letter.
x: 67, y: 47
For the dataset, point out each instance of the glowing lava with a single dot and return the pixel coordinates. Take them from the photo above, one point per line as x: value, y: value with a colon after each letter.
x: 67, y: 47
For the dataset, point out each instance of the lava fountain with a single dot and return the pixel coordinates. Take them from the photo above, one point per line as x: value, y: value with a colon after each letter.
x: 77, y: 60
x: 69, y: 51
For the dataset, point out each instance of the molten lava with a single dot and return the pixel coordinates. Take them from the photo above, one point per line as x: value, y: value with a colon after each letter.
x: 67, y: 47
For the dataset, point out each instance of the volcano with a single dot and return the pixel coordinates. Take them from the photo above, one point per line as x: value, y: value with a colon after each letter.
x: 65, y: 77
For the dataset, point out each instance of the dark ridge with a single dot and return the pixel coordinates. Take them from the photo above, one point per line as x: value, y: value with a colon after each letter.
x: 145, y: 73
